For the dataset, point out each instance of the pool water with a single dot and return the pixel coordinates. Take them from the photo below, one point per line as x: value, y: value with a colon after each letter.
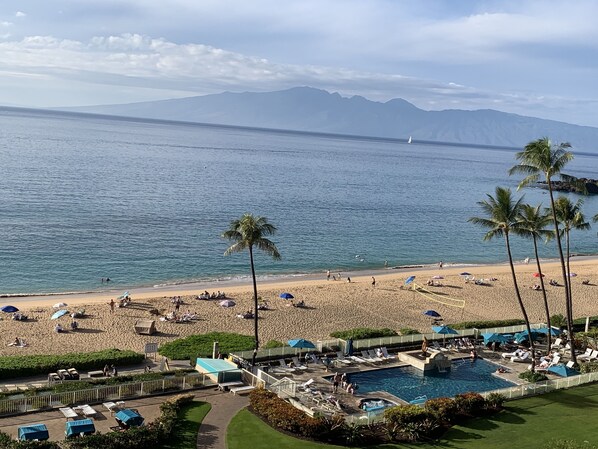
x: 409, y: 383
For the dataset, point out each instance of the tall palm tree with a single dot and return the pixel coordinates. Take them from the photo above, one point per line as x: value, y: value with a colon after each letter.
x: 532, y: 224
x: 570, y: 217
x: 541, y: 157
x: 249, y: 232
x: 502, y: 217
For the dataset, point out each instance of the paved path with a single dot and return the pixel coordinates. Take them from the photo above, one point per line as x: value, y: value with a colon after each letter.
x: 225, y: 405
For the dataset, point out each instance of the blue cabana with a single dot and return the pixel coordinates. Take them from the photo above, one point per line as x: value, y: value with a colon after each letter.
x: 80, y: 427
x: 129, y: 417
x: 34, y: 432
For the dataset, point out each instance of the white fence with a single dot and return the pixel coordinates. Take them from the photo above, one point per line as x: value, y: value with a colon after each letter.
x: 103, y: 393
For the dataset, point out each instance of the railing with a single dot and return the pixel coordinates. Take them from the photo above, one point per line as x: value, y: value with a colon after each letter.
x: 521, y: 391
x: 103, y: 393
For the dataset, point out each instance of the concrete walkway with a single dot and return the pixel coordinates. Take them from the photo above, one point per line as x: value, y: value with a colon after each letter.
x: 225, y: 405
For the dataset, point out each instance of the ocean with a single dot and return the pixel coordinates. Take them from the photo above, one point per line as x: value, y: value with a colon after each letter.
x: 145, y: 202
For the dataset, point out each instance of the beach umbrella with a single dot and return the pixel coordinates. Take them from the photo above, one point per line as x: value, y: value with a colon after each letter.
x: 522, y: 336
x: 129, y: 417
x: 444, y: 330
x: 58, y: 305
x: 432, y: 313
x: 465, y: 273
x: 124, y: 295
x: 409, y: 280
x: 227, y: 303
x: 554, y: 331
x: 58, y: 314
x: 562, y: 370
x: 572, y: 275
x: 9, y: 309
x: 537, y: 275
x: 437, y: 277
x: 286, y: 296
x: 491, y: 337
x: 301, y: 343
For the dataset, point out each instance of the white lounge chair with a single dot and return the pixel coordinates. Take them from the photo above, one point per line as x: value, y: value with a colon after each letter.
x: 557, y: 344
x: 342, y: 359
x: 385, y: 352
x: 594, y: 356
x: 358, y: 359
x: 298, y: 364
x: 366, y: 355
x: 522, y: 358
x: 586, y: 355
x: 437, y: 346
x: 375, y: 357
x: 509, y: 355
x: 306, y: 384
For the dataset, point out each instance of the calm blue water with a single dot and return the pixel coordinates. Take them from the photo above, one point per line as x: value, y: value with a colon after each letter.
x: 408, y: 383
x: 144, y: 203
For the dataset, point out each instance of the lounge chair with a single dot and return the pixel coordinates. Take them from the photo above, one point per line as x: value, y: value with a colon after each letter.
x: 375, y: 357
x: 522, y: 358
x: 586, y: 355
x: 436, y: 345
x: 305, y: 385
x: 358, y: 359
x: 510, y: 355
x: 556, y: 358
x: 68, y: 412
x: 342, y: 359
x: 366, y: 355
x: 298, y: 364
x: 87, y: 410
x: 385, y: 352
x: 594, y: 356
x: 557, y: 344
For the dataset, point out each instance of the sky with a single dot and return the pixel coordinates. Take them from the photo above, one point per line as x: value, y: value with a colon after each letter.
x: 531, y: 57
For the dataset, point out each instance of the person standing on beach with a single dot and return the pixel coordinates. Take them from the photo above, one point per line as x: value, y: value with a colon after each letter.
x: 386, y: 264
x: 111, y: 304
x: 373, y: 281
x: 440, y: 264
x: 328, y: 275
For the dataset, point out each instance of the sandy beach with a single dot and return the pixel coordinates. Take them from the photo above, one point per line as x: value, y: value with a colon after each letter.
x: 331, y: 306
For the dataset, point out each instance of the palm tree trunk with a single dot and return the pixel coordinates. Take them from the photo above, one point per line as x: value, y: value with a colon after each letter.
x: 255, y: 318
x: 567, y: 249
x: 568, y: 310
x: 523, y: 311
x: 546, y: 308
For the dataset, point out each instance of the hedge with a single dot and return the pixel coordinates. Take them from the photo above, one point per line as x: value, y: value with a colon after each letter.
x: 33, y: 365
x: 487, y: 324
x: 363, y: 333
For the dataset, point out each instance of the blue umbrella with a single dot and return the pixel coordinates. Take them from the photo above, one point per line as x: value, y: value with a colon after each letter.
x: 562, y: 370
x: 9, y: 309
x: 522, y: 336
x: 444, y: 330
x: 59, y: 314
x: 301, y: 343
x: 553, y: 331
x: 432, y: 313
x: 286, y: 296
x: 491, y: 337
x: 409, y: 280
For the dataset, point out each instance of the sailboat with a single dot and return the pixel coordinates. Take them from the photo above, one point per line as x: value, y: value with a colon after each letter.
x: 410, y: 140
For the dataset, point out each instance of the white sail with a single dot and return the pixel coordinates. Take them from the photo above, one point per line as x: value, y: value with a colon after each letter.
x: 410, y: 140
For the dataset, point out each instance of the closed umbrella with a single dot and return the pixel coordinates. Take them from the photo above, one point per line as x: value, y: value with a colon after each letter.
x: 286, y: 296
x: 58, y: 314
x: 9, y: 309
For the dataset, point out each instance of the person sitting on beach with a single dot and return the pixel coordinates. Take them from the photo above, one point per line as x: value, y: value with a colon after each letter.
x: 17, y: 342
x: 553, y: 283
x: 300, y: 304
x: 74, y: 325
x: 586, y: 282
x: 58, y: 328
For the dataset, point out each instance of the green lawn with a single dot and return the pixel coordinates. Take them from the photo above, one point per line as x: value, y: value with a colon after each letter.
x: 191, y: 416
x: 530, y: 423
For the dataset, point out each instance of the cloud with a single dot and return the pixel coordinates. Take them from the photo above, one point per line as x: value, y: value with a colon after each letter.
x: 20, y: 14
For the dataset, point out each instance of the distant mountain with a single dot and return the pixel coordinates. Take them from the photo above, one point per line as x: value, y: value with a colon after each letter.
x: 314, y: 110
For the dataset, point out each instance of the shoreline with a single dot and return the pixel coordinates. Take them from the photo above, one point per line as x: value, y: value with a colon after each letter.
x: 242, y: 283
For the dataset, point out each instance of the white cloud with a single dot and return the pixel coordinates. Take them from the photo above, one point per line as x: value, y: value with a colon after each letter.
x: 20, y: 14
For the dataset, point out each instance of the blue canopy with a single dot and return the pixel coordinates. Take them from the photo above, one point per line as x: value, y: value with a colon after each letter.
x: 81, y: 426
x: 9, y: 309
x: 286, y: 296
x: 409, y: 280
x: 444, y: 330
x: 432, y: 313
x: 562, y: 370
x: 522, y: 336
x: 34, y: 432
x: 59, y: 314
x: 554, y: 331
x: 130, y: 417
x: 301, y: 343
x: 492, y: 337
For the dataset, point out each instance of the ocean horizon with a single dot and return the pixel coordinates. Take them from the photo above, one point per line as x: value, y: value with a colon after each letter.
x: 144, y: 202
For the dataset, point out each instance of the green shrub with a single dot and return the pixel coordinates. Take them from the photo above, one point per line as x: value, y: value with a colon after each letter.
x: 444, y: 409
x: 33, y: 365
x: 533, y: 377
x: 470, y: 403
x: 558, y: 320
x: 283, y: 416
x: 589, y: 367
x: 568, y: 444
x: 408, y: 331
x: 363, y: 333
x: 495, y: 401
x: 409, y: 422
x: 195, y: 346
x: 487, y: 324
x: 273, y: 344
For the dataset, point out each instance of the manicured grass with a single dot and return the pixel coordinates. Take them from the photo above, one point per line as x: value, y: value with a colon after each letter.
x: 191, y: 415
x: 530, y: 423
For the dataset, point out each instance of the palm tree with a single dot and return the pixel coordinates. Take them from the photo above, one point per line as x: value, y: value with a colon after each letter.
x: 502, y: 214
x: 249, y: 232
x: 532, y: 224
x: 542, y: 157
x: 571, y: 217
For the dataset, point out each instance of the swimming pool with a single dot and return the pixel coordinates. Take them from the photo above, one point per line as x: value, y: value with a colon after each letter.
x: 409, y: 383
